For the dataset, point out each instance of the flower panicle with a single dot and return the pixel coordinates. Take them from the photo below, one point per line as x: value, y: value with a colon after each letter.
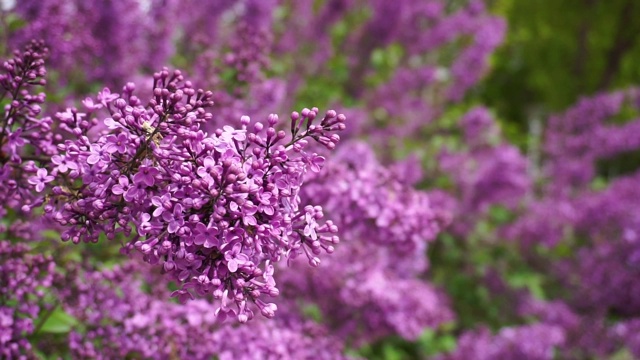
x: 215, y: 210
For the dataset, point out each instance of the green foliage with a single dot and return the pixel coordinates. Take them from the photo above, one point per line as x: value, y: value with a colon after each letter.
x: 557, y: 51
x: 431, y: 342
x: 56, y: 322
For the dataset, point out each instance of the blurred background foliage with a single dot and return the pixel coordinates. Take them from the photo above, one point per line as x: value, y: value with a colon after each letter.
x: 557, y: 51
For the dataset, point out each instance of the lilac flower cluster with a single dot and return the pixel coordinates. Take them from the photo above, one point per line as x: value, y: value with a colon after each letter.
x: 23, y: 278
x: 606, y: 269
x: 98, y: 41
x: 143, y: 324
x: 600, y: 226
x: 488, y: 172
x: 373, y: 202
x: 532, y: 342
x: 578, y: 137
x: 382, y: 220
x: 216, y: 211
x: 25, y: 134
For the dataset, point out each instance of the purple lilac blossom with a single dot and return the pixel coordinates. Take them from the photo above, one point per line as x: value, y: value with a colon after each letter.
x: 145, y: 324
x: 486, y: 173
x: 241, y: 183
x: 22, y: 123
x: 24, y: 279
x: 371, y: 287
x: 531, y: 342
x: 94, y: 41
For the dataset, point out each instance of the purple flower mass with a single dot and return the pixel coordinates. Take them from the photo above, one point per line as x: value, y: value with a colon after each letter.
x: 149, y: 213
x: 201, y: 189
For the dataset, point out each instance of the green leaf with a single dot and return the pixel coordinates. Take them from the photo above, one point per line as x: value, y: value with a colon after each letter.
x: 58, y: 322
x: 623, y: 354
x: 499, y: 214
x: 14, y: 22
x: 391, y: 353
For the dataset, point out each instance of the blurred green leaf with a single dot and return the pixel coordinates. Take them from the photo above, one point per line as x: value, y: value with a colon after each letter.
x: 58, y: 322
x: 14, y: 22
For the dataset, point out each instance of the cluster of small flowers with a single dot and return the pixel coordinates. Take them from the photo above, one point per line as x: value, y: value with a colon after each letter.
x: 605, y: 272
x: 362, y: 301
x: 577, y: 138
x: 545, y: 222
x: 99, y: 41
x: 23, y: 280
x: 534, y: 342
x: 487, y: 172
x: 585, y: 334
x: 23, y: 127
x: 216, y: 211
x: 288, y: 337
x: 248, y: 53
x: 143, y: 324
x: 228, y: 44
x: 382, y: 220
x: 240, y: 80
x: 373, y: 202
x: 600, y: 226
x: 472, y: 63
x: 418, y: 92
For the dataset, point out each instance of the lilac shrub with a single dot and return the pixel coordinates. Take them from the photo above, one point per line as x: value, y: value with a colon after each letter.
x: 418, y: 90
x: 579, y: 229
x: 211, y: 198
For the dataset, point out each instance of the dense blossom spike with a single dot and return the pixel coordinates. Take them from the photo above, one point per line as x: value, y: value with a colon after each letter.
x: 213, y: 210
x: 25, y: 134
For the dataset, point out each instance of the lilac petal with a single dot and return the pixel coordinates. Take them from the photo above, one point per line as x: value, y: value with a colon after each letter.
x: 232, y: 265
